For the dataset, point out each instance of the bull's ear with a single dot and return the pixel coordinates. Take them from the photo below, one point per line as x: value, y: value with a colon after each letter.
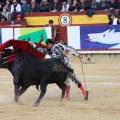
x: 2, y: 52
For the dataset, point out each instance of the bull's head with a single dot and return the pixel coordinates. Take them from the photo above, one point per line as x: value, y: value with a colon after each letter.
x: 4, y: 54
x: 1, y: 54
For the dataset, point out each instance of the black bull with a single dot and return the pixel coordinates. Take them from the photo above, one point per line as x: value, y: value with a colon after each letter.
x: 29, y: 70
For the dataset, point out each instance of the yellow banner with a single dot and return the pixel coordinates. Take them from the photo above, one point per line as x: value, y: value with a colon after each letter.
x: 66, y: 19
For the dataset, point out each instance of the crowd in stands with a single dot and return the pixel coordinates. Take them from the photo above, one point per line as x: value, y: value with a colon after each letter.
x: 10, y: 9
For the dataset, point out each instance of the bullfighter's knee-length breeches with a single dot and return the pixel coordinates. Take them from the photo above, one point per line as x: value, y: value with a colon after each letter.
x: 73, y: 77
x: 67, y: 82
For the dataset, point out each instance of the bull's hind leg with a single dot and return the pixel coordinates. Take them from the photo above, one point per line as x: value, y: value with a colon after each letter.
x: 43, y: 91
x: 62, y: 86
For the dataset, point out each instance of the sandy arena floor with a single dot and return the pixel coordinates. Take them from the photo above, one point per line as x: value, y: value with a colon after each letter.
x: 103, y: 83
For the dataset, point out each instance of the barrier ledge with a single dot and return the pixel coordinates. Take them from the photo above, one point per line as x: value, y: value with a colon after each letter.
x: 15, y: 25
x: 32, y: 14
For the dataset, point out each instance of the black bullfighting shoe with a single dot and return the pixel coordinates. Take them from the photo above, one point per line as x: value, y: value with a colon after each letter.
x: 87, y: 93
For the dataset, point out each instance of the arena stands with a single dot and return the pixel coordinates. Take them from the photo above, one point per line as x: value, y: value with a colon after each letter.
x: 37, y: 13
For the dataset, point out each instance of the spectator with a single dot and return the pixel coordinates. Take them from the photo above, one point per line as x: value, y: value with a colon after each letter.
x: 25, y: 7
x: 65, y: 6
x: 6, y: 10
x: 34, y: 6
x: 73, y: 5
x: 113, y: 20
x: 103, y: 5
x: 15, y: 7
x: 1, y: 6
x: 3, y: 18
x: 17, y: 19
x: 94, y: 5
x: 45, y: 6
x: 6, y: 7
x: 55, y: 6
x: 54, y: 28
x: 82, y: 6
x: 113, y: 4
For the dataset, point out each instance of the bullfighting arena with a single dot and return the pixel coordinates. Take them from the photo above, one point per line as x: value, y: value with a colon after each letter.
x: 102, y: 76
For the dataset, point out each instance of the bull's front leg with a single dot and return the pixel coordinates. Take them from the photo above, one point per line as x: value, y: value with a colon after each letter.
x: 16, y: 91
x: 16, y: 86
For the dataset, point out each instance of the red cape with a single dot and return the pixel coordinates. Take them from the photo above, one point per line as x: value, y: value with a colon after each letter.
x: 23, y: 46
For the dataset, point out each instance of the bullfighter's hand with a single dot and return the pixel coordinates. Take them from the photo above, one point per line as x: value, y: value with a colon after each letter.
x: 30, y: 43
x: 80, y: 56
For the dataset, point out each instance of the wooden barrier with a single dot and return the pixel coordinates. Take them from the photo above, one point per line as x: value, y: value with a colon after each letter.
x: 66, y: 18
x: 39, y: 19
x: 61, y: 34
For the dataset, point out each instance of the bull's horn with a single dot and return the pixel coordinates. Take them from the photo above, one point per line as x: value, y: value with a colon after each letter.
x: 4, y: 57
x: 2, y: 52
x: 4, y: 62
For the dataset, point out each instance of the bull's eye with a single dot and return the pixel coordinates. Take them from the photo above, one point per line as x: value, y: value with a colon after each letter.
x: 104, y: 35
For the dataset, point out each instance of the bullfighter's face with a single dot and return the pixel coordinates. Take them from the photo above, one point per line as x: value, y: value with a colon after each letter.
x: 50, y: 45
